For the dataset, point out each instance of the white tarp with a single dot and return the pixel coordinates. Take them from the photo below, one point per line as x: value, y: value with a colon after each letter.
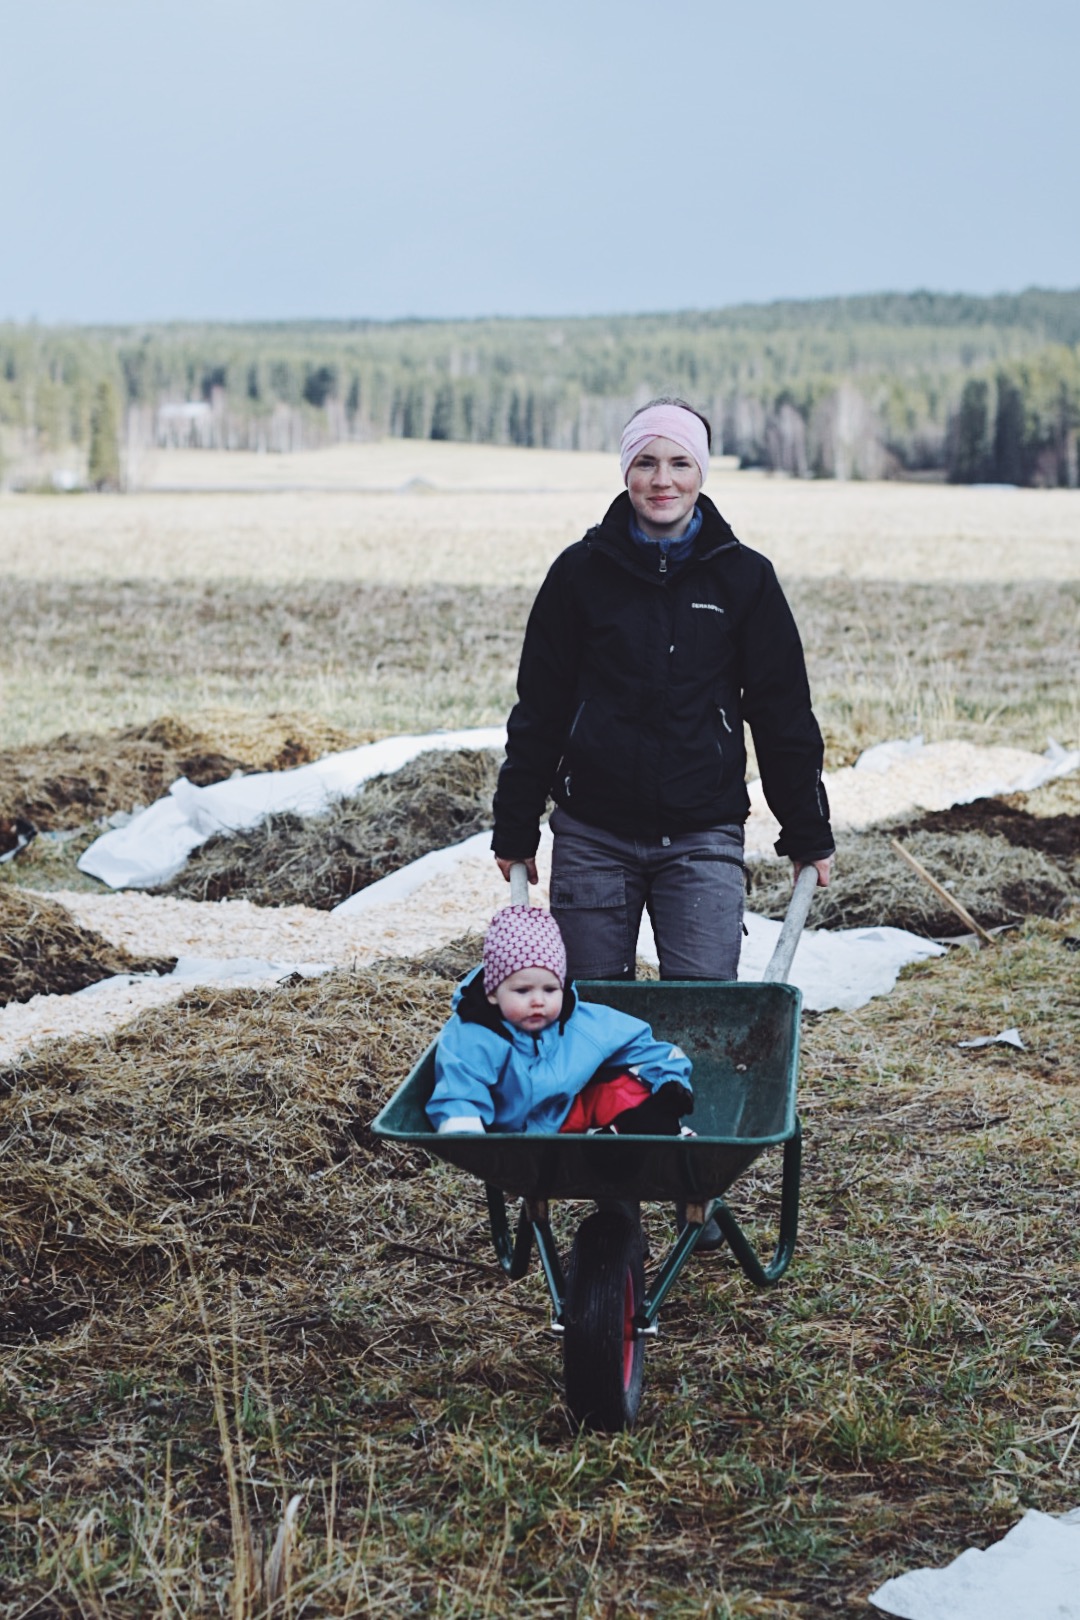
x: 1033, y: 1573
x: 841, y: 968
x: 407, y: 879
x: 235, y: 971
x: 155, y: 844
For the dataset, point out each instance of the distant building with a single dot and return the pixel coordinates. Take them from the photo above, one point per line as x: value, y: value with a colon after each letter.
x: 185, y: 425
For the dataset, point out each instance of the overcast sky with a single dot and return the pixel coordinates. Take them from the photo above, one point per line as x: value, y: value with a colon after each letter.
x: 270, y: 159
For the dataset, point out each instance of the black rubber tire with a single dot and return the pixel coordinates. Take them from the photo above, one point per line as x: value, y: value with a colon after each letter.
x: 603, y: 1358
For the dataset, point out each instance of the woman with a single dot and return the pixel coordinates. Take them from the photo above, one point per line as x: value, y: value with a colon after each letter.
x: 650, y: 642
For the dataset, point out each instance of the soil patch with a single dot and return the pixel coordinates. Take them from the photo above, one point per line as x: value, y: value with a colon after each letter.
x: 438, y: 799
x: 1057, y: 836
x: 995, y: 880
x: 44, y: 951
x: 81, y: 776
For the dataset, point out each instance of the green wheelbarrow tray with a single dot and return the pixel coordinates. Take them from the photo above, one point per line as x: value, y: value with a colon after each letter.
x: 743, y: 1042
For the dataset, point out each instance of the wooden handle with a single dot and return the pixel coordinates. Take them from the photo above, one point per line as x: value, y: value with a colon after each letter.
x: 798, y: 906
x: 942, y: 893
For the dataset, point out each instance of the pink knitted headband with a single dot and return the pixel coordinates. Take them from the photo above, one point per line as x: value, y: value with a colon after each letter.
x: 522, y: 937
x: 665, y: 422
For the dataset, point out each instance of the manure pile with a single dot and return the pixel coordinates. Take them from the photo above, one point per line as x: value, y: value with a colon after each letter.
x: 44, y: 951
x: 81, y: 776
x: 437, y: 799
x: 1000, y: 861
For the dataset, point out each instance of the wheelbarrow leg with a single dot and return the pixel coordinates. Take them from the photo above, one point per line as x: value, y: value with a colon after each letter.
x: 513, y: 1257
x: 763, y: 1276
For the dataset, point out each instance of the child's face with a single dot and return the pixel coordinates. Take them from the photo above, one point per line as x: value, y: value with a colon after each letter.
x: 529, y: 999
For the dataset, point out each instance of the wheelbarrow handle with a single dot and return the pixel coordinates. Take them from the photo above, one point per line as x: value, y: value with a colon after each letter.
x: 519, y: 884
x: 798, y: 906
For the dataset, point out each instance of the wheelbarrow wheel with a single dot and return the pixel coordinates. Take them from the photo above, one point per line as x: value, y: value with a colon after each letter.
x: 603, y: 1356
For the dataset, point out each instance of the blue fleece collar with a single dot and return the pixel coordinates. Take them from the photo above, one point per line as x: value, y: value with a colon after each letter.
x: 677, y: 551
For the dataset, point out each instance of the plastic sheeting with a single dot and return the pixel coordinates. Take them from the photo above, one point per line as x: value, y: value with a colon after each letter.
x: 407, y: 879
x: 155, y: 844
x: 1033, y: 1573
x: 234, y: 971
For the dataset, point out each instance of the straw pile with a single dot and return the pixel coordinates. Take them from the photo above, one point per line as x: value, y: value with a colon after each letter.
x: 996, y: 880
x: 438, y: 799
x: 1059, y: 796
x: 249, y: 1100
x: 81, y: 776
x: 44, y: 951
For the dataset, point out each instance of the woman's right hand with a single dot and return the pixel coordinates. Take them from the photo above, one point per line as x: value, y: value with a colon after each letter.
x: 527, y: 861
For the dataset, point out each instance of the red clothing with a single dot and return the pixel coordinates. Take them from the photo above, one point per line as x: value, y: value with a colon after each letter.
x: 601, y: 1101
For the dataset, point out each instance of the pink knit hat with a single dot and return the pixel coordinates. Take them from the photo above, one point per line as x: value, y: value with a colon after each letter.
x: 672, y: 422
x: 522, y: 937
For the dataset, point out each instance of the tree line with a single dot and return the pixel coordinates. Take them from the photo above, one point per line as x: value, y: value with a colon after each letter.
x: 892, y: 385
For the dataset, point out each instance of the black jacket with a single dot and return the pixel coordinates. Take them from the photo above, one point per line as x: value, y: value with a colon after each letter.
x: 633, y: 687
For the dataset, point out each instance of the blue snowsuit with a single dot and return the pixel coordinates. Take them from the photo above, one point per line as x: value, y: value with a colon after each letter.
x: 521, y: 1082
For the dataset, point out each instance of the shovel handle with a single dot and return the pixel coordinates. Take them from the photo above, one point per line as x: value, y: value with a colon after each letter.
x: 519, y: 884
x: 798, y: 906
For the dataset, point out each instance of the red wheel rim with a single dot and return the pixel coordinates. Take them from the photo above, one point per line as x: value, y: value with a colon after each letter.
x: 628, y: 1332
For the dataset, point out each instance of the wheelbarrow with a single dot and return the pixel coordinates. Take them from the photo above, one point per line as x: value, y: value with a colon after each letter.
x: 743, y: 1041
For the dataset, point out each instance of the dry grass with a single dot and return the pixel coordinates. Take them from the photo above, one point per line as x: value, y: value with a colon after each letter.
x: 390, y: 610
x: 386, y: 466
x: 1003, y: 859
x: 997, y: 880
x: 218, y: 1297
x: 988, y: 663
x: 78, y: 777
x: 366, y: 659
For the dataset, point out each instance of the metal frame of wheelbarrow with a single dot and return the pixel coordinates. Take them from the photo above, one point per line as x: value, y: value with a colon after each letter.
x: 534, y: 1228
x: 743, y: 1041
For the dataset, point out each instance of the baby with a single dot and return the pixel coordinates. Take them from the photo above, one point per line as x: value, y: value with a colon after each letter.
x: 522, y: 1053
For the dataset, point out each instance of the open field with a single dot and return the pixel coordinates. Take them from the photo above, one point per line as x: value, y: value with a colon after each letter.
x: 397, y: 610
x: 217, y: 1296
x: 420, y: 513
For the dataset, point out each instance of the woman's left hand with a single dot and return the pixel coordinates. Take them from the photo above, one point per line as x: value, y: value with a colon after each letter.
x: 823, y: 870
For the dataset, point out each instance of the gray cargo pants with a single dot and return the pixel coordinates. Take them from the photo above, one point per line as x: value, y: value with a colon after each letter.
x: 693, y: 884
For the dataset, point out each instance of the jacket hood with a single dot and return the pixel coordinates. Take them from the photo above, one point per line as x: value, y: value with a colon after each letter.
x: 473, y: 1007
